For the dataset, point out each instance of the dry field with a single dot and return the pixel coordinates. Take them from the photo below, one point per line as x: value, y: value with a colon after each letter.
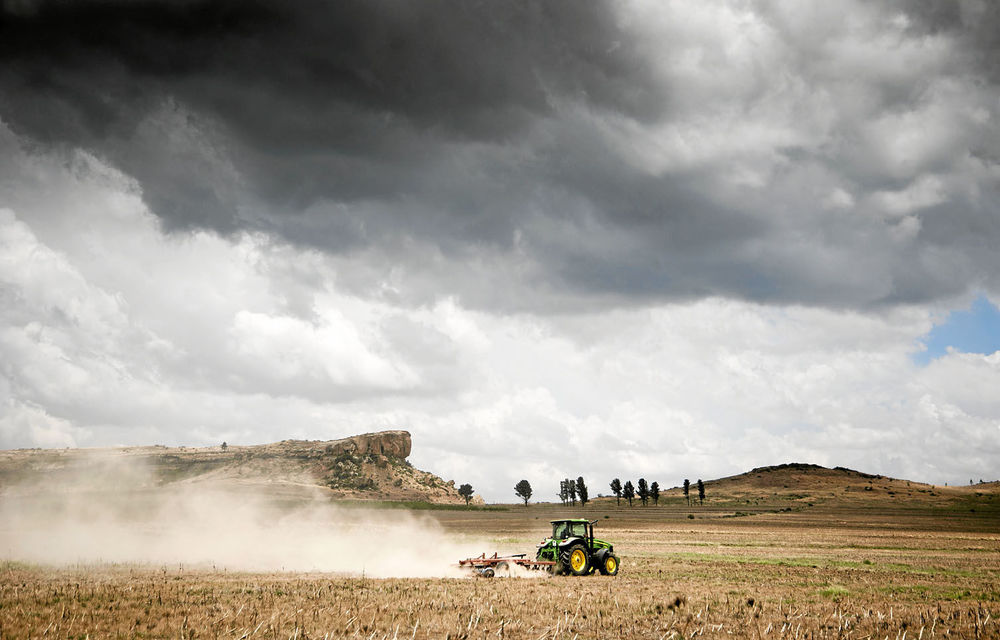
x: 831, y: 571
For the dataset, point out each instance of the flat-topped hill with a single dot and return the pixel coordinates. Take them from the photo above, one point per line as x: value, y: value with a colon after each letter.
x: 370, y: 466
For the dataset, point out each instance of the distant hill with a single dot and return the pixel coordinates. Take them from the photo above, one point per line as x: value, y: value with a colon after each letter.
x: 805, y: 483
x: 371, y: 466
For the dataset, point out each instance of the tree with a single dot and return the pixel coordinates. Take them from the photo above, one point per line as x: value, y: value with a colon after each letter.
x: 466, y: 492
x: 523, y: 490
x: 654, y: 492
x: 616, y: 488
x: 687, y: 491
x: 628, y: 491
x: 581, y: 490
x: 643, y: 491
x: 563, y: 491
x: 571, y: 487
x: 226, y: 446
x: 701, y: 491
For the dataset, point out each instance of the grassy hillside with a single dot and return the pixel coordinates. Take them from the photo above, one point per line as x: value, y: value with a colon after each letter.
x: 801, y: 488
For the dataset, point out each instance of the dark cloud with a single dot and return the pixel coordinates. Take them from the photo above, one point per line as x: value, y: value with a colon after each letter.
x: 344, y: 101
x: 589, y: 151
x: 975, y: 24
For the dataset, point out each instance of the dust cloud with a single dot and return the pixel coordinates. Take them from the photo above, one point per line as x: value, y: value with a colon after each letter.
x: 119, y: 515
x: 517, y: 571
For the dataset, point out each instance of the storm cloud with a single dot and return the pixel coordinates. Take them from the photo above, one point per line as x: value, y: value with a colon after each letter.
x: 697, y: 237
x: 786, y: 153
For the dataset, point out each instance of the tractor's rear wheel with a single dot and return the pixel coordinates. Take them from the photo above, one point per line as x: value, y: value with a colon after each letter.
x: 610, y: 565
x: 575, y: 560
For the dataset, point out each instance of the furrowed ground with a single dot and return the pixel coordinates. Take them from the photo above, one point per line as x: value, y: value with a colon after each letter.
x: 740, y: 567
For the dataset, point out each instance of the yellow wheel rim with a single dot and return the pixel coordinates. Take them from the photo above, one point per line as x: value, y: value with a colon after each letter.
x: 611, y: 564
x: 578, y: 560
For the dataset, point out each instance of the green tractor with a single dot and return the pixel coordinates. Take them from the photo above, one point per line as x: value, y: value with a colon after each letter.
x: 575, y: 550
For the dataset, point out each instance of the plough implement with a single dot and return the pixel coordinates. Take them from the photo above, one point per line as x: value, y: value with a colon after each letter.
x: 487, y: 567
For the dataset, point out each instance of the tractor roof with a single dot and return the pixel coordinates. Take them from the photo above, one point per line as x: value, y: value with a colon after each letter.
x: 583, y: 520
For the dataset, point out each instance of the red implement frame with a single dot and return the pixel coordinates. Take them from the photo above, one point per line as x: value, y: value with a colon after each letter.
x: 488, y: 566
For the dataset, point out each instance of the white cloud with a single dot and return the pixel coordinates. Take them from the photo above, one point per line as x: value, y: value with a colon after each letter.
x: 23, y: 426
x: 292, y: 351
x: 207, y: 339
x: 926, y: 191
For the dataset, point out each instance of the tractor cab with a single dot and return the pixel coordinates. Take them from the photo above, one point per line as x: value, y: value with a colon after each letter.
x: 575, y: 550
x: 563, y: 529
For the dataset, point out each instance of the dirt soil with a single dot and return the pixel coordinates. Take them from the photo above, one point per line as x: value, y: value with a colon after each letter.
x: 852, y: 564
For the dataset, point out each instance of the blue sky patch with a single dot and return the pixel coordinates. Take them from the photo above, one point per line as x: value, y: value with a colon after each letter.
x: 973, y: 330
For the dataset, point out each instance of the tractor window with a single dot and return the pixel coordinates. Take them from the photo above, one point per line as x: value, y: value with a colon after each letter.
x: 579, y: 529
x: 560, y: 530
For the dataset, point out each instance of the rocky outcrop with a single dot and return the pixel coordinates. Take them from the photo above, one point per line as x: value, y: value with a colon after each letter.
x: 392, y: 444
x: 371, y: 466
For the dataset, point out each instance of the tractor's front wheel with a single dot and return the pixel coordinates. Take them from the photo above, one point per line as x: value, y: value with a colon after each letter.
x: 610, y: 565
x: 575, y: 560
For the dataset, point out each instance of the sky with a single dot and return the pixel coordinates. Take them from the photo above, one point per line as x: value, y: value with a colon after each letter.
x: 550, y: 239
x: 976, y: 329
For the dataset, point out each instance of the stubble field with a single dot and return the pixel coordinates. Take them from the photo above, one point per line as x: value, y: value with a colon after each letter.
x: 834, y: 571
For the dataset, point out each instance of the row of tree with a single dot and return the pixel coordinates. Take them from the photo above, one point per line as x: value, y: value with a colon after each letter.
x: 642, y: 490
x: 646, y: 492
x: 687, y: 491
x: 572, y: 490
